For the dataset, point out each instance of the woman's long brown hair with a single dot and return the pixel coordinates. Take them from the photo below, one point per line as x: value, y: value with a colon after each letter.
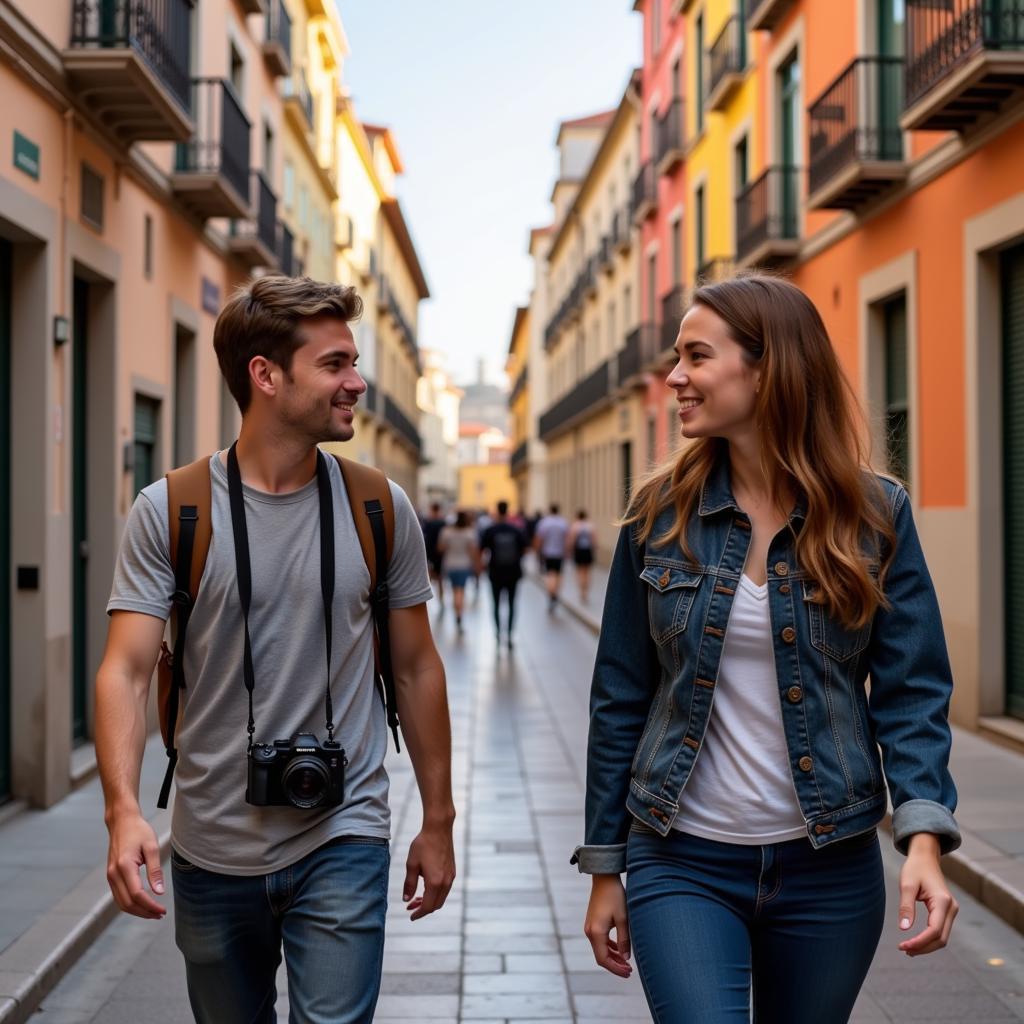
x: 812, y: 444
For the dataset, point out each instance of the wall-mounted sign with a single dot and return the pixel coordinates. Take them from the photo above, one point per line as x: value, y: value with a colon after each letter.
x: 26, y: 156
x: 211, y: 297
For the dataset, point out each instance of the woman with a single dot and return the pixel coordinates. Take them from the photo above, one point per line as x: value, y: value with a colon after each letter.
x: 460, y: 559
x: 766, y: 573
x: 581, y: 543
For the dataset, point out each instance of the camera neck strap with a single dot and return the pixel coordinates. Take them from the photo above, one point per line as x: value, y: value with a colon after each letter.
x: 243, y: 569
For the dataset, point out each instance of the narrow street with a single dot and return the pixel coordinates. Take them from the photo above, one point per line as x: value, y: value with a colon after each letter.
x: 509, y: 946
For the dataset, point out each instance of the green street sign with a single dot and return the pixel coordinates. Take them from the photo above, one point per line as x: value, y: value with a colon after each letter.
x: 26, y: 156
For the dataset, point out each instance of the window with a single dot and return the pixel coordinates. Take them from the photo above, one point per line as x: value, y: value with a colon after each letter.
x: 268, y: 151
x: 677, y: 85
x: 147, y: 429
x: 236, y: 71
x: 741, y: 165
x: 289, y: 184
x: 700, y: 247
x: 677, y: 250
x: 147, y: 245
x: 897, y: 432
x: 698, y: 64
x: 652, y: 287
x: 184, y: 395
x: 92, y: 197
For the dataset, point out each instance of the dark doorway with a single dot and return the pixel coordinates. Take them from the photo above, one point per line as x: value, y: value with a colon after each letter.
x: 5, y: 519
x: 79, y: 506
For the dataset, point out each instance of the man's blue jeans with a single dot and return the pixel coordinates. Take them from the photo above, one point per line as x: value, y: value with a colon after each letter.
x: 328, y: 909
x: 707, y: 919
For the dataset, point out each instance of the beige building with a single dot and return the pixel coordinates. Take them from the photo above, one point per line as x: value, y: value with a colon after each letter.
x: 438, y: 400
x: 594, y: 411
x: 143, y: 187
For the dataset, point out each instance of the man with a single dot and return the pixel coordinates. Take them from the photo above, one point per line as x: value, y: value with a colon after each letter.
x: 549, y: 542
x: 247, y: 877
x: 505, y: 544
x: 432, y: 527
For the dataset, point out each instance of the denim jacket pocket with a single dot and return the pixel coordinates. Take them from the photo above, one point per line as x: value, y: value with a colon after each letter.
x: 669, y: 598
x: 829, y: 636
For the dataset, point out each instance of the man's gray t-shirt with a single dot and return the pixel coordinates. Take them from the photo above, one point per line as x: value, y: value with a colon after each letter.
x: 212, y: 825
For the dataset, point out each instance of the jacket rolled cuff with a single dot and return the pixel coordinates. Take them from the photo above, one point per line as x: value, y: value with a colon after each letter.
x: 600, y: 860
x: 924, y: 816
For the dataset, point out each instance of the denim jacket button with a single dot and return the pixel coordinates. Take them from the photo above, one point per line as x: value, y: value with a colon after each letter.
x: 664, y: 579
x: 781, y: 569
x: 806, y: 764
x: 794, y: 695
x: 789, y: 634
x: 784, y: 589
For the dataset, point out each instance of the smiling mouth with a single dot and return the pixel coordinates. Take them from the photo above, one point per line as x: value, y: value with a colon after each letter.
x: 344, y: 406
x: 689, y: 403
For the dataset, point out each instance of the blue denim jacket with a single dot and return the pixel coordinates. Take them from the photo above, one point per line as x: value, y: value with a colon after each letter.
x: 658, y: 657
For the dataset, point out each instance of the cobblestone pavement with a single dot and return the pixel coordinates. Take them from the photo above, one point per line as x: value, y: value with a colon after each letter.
x: 508, y: 946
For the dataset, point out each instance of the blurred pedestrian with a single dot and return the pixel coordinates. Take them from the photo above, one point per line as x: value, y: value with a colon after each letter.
x: 581, y: 543
x: 761, y: 575
x: 504, y: 543
x: 549, y: 542
x: 432, y: 527
x: 460, y: 559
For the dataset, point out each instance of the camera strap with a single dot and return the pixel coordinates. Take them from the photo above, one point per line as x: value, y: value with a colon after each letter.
x: 243, y: 570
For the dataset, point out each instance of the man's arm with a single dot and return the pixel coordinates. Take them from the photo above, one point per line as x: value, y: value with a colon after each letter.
x: 122, y: 691
x: 423, y: 712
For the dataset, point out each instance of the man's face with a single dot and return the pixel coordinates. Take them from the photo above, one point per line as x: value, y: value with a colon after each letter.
x: 319, y: 392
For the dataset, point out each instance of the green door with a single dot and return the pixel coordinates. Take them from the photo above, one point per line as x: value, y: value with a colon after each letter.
x: 1013, y: 474
x: 889, y: 80
x: 5, y: 520
x: 79, y: 505
x: 789, y: 121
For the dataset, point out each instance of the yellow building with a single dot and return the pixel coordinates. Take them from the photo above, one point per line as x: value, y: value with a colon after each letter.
x: 483, y: 486
x: 593, y: 415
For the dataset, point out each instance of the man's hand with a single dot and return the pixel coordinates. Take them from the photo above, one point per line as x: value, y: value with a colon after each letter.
x: 921, y: 879
x: 432, y: 858
x: 133, y: 844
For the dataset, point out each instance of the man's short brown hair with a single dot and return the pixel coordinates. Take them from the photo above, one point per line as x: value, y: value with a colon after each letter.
x: 264, y: 318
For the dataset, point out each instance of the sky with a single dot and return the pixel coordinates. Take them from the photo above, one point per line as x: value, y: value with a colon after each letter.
x: 474, y: 91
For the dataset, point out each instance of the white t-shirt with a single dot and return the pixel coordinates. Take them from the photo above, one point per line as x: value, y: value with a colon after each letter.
x: 740, y: 789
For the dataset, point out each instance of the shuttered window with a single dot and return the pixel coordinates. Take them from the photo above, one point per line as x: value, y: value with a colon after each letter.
x: 147, y: 426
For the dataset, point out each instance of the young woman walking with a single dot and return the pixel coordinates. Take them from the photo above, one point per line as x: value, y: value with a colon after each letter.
x: 581, y: 543
x: 733, y: 765
x: 460, y: 559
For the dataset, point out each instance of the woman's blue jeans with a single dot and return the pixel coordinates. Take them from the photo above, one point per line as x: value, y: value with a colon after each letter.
x: 707, y: 920
x: 328, y: 909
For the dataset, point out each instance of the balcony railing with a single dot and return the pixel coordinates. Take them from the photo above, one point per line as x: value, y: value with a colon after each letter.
x: 401, y: 423
x: 211, y: 170
x: 605, y: 254
x: 589, y: 276
x: 765, y: 14
x: 520, y: 385
x: 286, y: 249
x: 587, y: 396
x: 669, y: 136
x: 856, y: 144
x: 623, y: 229
x: 727, y: 59
x: 254, y: 241
x: 403, y: 325
x: 277, y: 39
x: 965, y: 60
x: 767, y: 218
x: 518, y: 462
x: 638, y: 354
x: 645, y: 192
x: 673, y: 306
x: 129, y: 63
x: 298, y: 100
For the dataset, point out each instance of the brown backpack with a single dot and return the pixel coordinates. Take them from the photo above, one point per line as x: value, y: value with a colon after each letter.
x: 189, y: 507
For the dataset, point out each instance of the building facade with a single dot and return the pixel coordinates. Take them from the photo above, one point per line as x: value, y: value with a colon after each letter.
x: 438, y: 400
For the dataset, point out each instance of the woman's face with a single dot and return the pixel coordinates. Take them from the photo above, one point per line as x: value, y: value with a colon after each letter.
x: 714, y: 384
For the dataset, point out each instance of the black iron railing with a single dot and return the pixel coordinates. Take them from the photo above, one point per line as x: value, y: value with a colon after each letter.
x: 669, y: 131
x: 645, y: 188
x: 160, y: 31
x: 279, y: 27
x: 673, y: 305
x: 857, y: 118
x: 943, y: 34
x: 639, y: 352
x: 404, y: 327
x: 767, y: 209
x: 588, y: 393
x: 402, y: 424
x: 518, y: 461
x: 220, y: 142
x: 263, y: 225
x: 286, y: 249
x: 296, y: 87
x: 728, y: 53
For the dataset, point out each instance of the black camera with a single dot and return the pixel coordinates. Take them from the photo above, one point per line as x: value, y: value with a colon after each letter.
x: 296, y: 773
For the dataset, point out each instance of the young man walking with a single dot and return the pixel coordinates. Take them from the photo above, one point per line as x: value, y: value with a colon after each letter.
x: 549, y: 541
x: 254, y: 870
x: 505, y: 545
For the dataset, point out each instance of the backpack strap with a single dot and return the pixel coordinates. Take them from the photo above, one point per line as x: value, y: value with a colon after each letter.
x: 373, y: 511
x: 189, y: 516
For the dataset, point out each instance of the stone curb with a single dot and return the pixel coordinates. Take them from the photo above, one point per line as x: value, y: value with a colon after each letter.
x: 36, y: 961
x: 977, y: 877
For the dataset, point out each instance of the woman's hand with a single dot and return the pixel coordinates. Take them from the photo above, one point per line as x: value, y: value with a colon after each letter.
x: 922, y: 879
x: 607, y: 910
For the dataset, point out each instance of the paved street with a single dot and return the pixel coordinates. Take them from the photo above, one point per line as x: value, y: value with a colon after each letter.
x: 508, y: 946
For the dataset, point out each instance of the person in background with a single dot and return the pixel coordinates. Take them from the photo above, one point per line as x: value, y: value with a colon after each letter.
x: 432, y: 527
x: 504, y: 543
x: 581, y: 543
x: 549, y: 543
x: 460, y: 559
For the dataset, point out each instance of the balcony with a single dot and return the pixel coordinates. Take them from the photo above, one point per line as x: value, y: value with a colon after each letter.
x: 638, y: 354
x: 965, y: 61
x: 718, y: 268
x: 589, y: 278
x: 673, y: 306
x: 586, y: 398
x: 519, y: 462
x: 402, y: 425
x: 645, y: 193
x: 669, y: 137
x: 298, y: 101
x: 856, y: 145
x: 211, y: 170
x: 727, y: 60
x: 277, y: 40
x: 285, y: 249
x: 606, y: 254
x: 129, y: 65
x: 254, y: 241
x: 765, y: 14
x: 622, y: 230
x: 767, y: 219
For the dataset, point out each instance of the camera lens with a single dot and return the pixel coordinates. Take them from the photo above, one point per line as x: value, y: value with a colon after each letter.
x: 305, y: 782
